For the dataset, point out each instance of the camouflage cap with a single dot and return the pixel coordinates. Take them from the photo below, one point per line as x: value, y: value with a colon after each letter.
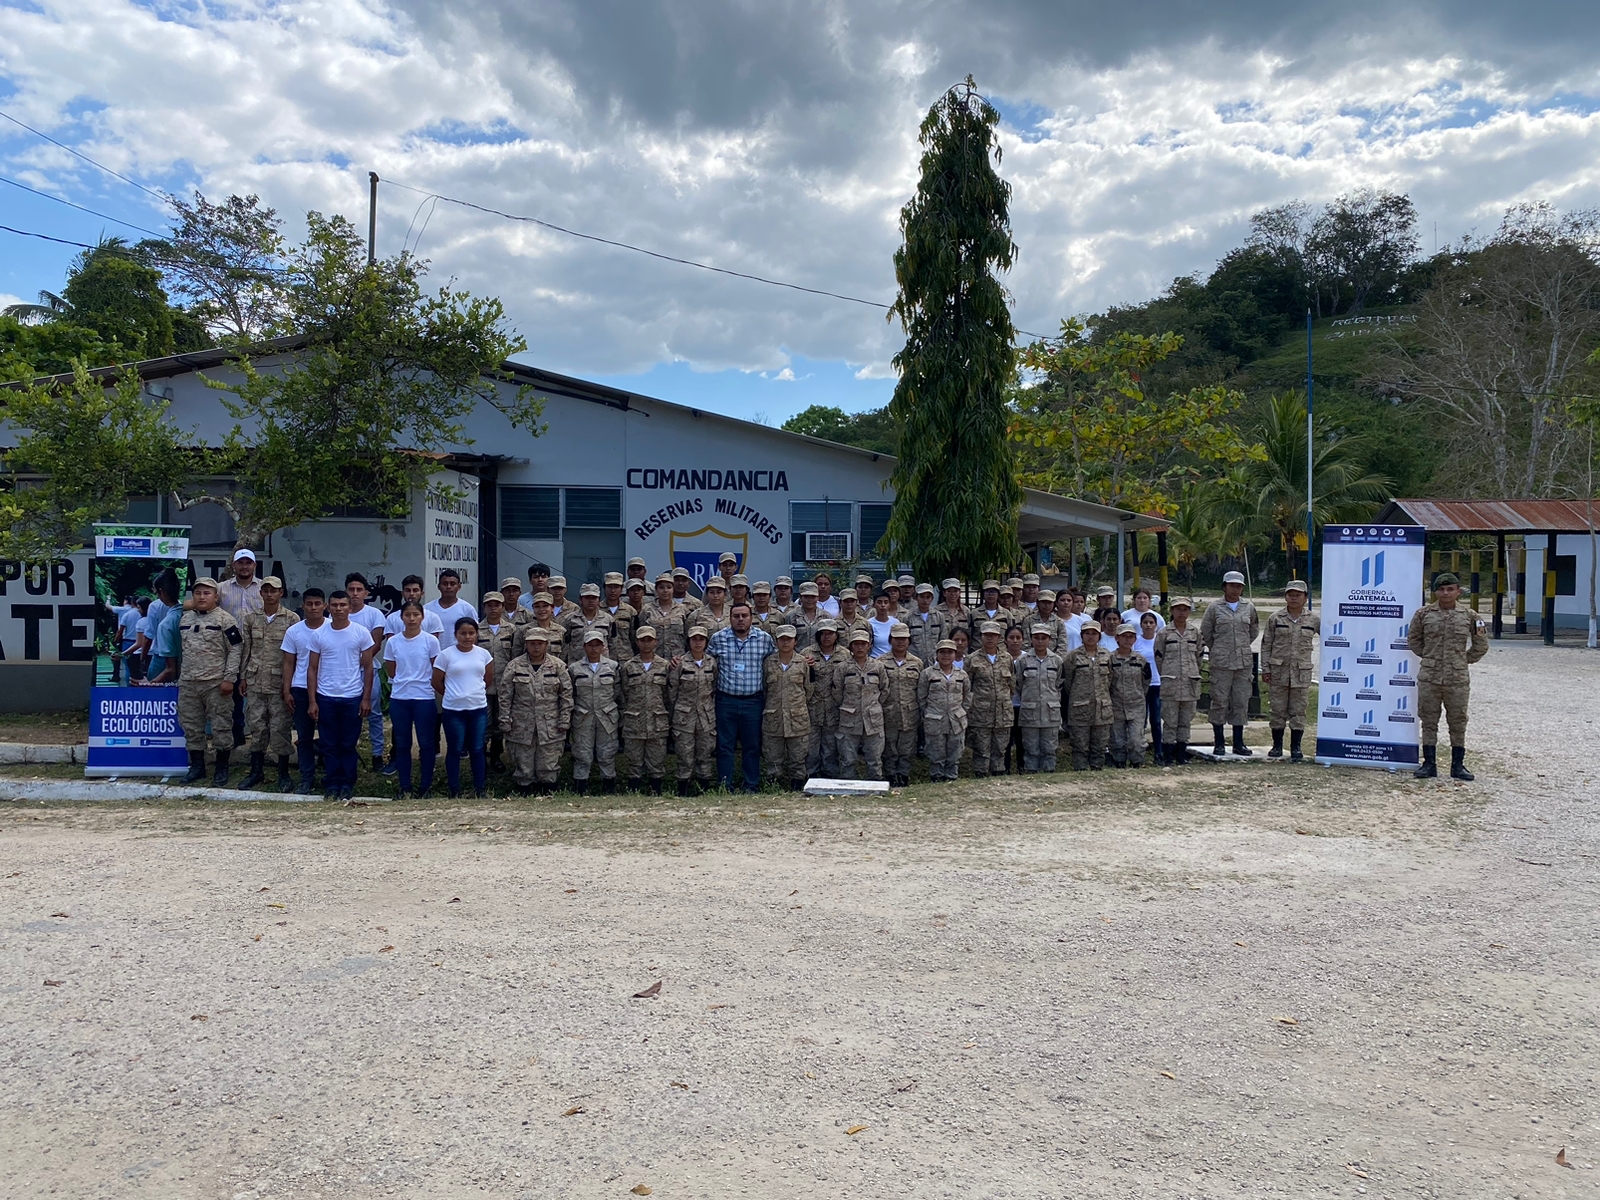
x: 1126, y: 628
x: 1441, y: 580
x: 589, y: 589
x: 1030, y: 578
x: 827, y: 625
x: 1105, y: 589
x: 948, y: 584
x: 787, y: 631
x: 1091, y: 627
x: 636, y: 562
x: 633, y: 582
x: 200, y: 583
x: 614, y: 577
x: 511, y: 581
x: 899, y: 629
x: 699, y: 631
x: 946, y: 644
x: 542, y: 598
x: 991, y: 584
x: 1233, y: 577
x: 681, y: 573
x: 1046, y: 596
x: 1297, y: 585
x: 536, y: 633
x: 783, y: 581
x: 594, y: 635
x: 925, y: 589
x: 992, y: 627
x: 762, y: 588
x: 488, y: 596
x: 665, y: 577
x: 558, y: 581
x: 727, y: 556
x: 717, y: 581
x: 867, y: 579
x: 1041, y: 631
x: 272, y: 581
x: 1182, y: 602
x: 906, y: 581
x: 645, y: 631
x: 739, y: 579
x: 859, y: 635
x: 808, y: 589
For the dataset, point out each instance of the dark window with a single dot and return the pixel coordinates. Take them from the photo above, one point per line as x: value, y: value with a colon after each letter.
x: 594, y: 508
x: 1566, y: 569
x: 812, y: 516
x: 874, y: 520
x: 530, y: 514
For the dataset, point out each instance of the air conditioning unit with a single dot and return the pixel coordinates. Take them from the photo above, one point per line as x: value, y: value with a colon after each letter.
x: 827, y: 547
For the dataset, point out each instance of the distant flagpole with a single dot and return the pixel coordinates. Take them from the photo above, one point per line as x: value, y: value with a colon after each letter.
x: 1310, y: 521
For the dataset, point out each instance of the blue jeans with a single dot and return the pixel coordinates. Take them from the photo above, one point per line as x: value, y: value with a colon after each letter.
x: 464, y: 730
x: 305, y: 735
x: 157, y: 665
x: 1152, y: 708
x: 339, y: 718
x: 739, y: 719
x: 421, y: 716
x: 375, y: 724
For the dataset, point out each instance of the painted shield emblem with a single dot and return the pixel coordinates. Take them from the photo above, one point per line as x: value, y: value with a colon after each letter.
x: 698, y: 552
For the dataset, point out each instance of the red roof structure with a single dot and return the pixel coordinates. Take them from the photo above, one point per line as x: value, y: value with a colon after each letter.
x: 1489, y: 516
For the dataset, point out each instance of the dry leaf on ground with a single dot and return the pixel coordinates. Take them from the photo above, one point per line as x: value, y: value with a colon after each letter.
x: 714, y: 1007
x: 1355, y: 1170
x: 1287, y: 1021
x: 1168, y: 1075
x: 1561, y: 1159
x: 54, y: 982
x: 275, y: 904
x: 676, y: 1084
x: 199, y: 1017
x: 650, y: 993
x: 640, y: 1189
x: 1245, y: 944
x: 854, y: 1129
x: 384, y: 949
x: 573, y: 1111
x: 60, y: 914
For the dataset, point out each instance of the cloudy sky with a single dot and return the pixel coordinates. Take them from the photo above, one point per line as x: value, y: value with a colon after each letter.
x: 779, y: 137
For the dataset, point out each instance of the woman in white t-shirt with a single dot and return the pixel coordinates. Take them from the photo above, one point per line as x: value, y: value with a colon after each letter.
x: 408, y: 659
x: 1145, y: 644
x: 462, y: 674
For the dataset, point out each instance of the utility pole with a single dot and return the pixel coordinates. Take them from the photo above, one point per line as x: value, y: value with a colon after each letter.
x: 372, y: 220
x: 1310, y: 456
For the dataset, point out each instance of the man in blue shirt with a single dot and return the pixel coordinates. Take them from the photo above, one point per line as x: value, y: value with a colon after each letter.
x: 741, y: 654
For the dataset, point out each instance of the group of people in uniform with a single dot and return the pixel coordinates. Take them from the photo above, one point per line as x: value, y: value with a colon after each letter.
x: 798, y: 680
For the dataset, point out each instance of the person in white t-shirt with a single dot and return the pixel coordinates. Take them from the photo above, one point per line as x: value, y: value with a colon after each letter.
x: 1145, y: 644
x: 297, y: 646
x: 371, y: 617
x: 882, y: 621
x: 408, y: 659
x: 826, y: 601
x: 1141, y: 605
x: 411, y: 589
x: 339, y: 680
x: 461, y: 675
x: 450, y: 606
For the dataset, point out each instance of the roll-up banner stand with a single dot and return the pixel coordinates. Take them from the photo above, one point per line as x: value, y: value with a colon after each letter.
x: 1372, y: 579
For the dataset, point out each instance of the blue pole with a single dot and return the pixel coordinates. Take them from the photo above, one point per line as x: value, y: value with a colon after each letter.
x: 1310, y: 453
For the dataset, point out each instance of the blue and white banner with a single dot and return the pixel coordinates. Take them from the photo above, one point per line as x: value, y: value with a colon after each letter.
x: 1367, y: 702
x: 134, y: 731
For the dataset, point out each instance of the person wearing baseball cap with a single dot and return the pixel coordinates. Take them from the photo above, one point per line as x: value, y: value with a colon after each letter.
x: 241, y: 592
x: 943, y: 694
x: 693, y: 676
x: 728, y: 567
x: 1129, y: 687
x: 825, y: 656
x: 596, y: 713
x: 857, y: 689
x: 956, y: 614
x: 261, y: 676
x: 786, y: 720
x: 1288, y: 667
x: 588, y: 615
x: 637, y: 569
x: 1178, y: 651
x: 535, y: 713
x: 212, y: 655
x: 1447, y: 639
x: 1229, y: 630
x: 646, y: 714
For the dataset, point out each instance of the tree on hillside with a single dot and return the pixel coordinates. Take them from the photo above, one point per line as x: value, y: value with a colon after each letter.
x: 1500, y: 350
x: 357, y: 417
x: 1351, y: 253
x: 956, y: 491
x: 227, y: 261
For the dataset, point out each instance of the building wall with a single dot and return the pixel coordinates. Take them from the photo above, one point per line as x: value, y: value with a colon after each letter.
x: 1572, y: 609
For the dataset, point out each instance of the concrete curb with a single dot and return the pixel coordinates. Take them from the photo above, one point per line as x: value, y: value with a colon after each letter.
x: 27, y: 791
x: 13, y: 753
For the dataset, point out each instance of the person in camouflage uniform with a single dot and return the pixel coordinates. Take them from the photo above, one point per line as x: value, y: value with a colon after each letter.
x: 588, y: 615
x: 535, y: 713
x: 928, y: 627
x: 1229, y: 630
x: 497, y: 634
x: 901, y: 710
x: 1130, y: 686
x: 646, y: 713
x: 669, y: 618
x: 212, y: 651
x: 1038, y: 685
x: 1288, y: 666
x: 1447, y: 639
x: 543, y: 610
x: 596, y: 707
x: 788, y: 679
x: 693, y: 694
x: 1086, y: 691
x: 990, y: 714
x: 943, y: 694
x: 805, y: 617
x: 822, y: 758
x: 624, y: 617
x: 1177, y: 653
x: 270, y: 718
x: 856, y: 690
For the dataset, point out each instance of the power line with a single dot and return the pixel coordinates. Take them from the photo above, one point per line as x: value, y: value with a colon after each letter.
x: 80, y: 208
x: 85, y: 157
x: 148, y: 254
x: 685, y: 262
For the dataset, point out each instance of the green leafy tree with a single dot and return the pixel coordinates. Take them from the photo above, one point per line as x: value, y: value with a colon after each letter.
x: 871, y: 430
x: 956, y: 491
x: 114, y: 291
x: 29, y: 349
x: 227, y: 261
x: 82, y: 449
x: 357, y: 417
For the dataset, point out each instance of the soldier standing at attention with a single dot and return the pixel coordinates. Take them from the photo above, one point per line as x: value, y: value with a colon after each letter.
x: 516, y: 612
x: 989, y: 714
x: 596, y: 682
x: 823, y: 756
x: 786, y: 723
x: 926, y: 625
x: 1287, y: 667
x: 908, y: 596
x: 762, y: 613
x: 667, y: 617
x: 588, y: 615
x: 739, y: 593
x: 535, y: 713
x: 851, y: 618
x: 1178, y: 660
x: 543, y: 618
x: 714, y: 613
x: 694, y: 713
x: 805, y: 617
x: 901, y: 708
x: 1229, y: 631
x: 213, y: 649
x: 496, y: 634
x: 635, y: 589
x: 989, y: 610
x: 1038, y: 686
x: 1447, y: 639
x: 624, y: 616
x: 680, y: 591
x: 1130, y: 688
x: 955, y: 613
x: 943, y: 693
x: 1086, y: 688
x: 857, y: 689
x: 646, y: 716
x: 782, y: 596
x: 262, y: 673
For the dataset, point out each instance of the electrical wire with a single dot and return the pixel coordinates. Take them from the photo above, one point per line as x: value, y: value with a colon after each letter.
x: 85, y: 157
x: 152, y: 256
x: 81, y: 208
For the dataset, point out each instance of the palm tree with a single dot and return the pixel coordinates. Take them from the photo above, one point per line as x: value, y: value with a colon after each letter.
x: 51, y: 307
x: 1277, y: 483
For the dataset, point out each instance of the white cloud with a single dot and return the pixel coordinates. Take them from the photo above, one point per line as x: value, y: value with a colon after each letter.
x: 781, y: 140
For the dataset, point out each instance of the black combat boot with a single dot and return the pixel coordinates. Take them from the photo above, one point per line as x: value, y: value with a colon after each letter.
x: 608, y: 787
x: 580, y: 787
x: 1170, y: 755
x: 1277, y: 744
x: 1295, y: 753
x: 685, y: 789
x: 1429, y: 767
x: 1219, y: 743
x: 197, y: 766
x: 1458, y: 764
x: 655, y: 786
x: 258, y: 772
x: 220, y: 779
x: 1239, y: 747
x: 635, y: 784
x: 308, y: 784
x: 285, y: 782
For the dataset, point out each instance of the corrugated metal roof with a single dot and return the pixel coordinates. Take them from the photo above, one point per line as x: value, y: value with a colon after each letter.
x: 1489, y: 516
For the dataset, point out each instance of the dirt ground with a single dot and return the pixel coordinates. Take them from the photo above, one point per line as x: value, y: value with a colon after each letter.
x: 1239, y: 981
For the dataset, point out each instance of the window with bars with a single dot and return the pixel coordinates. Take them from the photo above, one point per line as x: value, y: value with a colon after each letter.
x: 817, y: 516
x: 874, y: 520
x: 530, y: 514
x: 593, y: 508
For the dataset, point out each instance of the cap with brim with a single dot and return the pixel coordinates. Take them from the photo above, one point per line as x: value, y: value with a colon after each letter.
x: 783, y: 581
x: 238, y: 554
x: 636, y: 562
x: 1445, y: 579
x: 272, y: 581
x: 762, y: 588
x: 536, y: 633
x: 544, y: 597
x: 1104, y: 590
x: 511, y: 581
x: 827, y: 626
x: 859, y: 635
x: 727, y: 556
x: 589, y: 589
x: 633, y: 582
x: 594, y: 635
x: 949, y: 583
x: 992, y: 627
x: 946, y: 644
x: 1126, y: 628
x: 907, y: 581
x: 645, y: 631
x: 899, y: 629
x: 738, y: 579
x: 808, y: 589
x: 1046, y: 596
x: 558, y: 581
x: 1041, y: 631
x: 717, y: 581
x: 1026, y: 579
x: 925, y: 589
x: 1087, y: 630
x: 680, y: 573
x: 991, y: 583
x: 200, y: 583
x: 699, y: 631
x: 665, y: 577
x: 787, y: 631
x: 1182, y: 602
x: 613, y: 577
x: 1233, y: 577
x: 1296, y: 585
x: 488, y: 596
x: 867, y: 579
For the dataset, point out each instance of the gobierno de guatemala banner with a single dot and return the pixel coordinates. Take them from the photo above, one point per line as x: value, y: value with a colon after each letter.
x: 1367, y: 702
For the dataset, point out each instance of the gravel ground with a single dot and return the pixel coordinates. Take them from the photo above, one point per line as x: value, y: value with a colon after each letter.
x: 1222, y: 982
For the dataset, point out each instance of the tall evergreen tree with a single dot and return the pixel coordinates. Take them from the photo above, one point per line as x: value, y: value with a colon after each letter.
x: 956, y: 490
